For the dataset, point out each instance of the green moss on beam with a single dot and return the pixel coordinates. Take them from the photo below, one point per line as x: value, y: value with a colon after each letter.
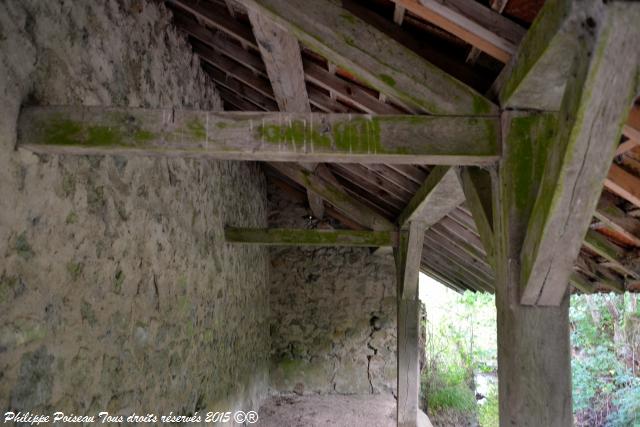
x: 302, y: 237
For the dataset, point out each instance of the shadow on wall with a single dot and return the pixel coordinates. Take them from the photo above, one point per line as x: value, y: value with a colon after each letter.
x: 333, y: 314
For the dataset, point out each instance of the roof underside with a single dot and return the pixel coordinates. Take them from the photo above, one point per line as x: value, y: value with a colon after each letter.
x: 221, y: 35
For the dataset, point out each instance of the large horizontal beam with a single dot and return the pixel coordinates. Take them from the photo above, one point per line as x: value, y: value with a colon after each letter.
x: 374, y: 58
x: 308, y: 137
x: 302, y: 237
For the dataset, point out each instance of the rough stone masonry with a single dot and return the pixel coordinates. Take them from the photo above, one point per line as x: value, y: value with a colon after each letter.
x: 333, y: 314
x: 117, y: 292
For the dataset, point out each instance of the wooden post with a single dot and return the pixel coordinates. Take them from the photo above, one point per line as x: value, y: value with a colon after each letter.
x: 407, y: 256
x: 534, y: 358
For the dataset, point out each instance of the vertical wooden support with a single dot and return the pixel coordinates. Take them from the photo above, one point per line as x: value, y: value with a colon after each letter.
x: 407, y: 257
x: 533, y: 342
x: 408, y: 366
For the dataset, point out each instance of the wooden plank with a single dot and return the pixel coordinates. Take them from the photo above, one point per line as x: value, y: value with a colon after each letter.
x: 345, y: 90
x: 624, y: 184
x: 437, y: 55
x: 398, y: 14
x: 617, y: 220
x: 221, y: 44
x: 600, y: 245
x: 454, y: 227
x: 231, y: 67
x: 536, y: 76
x: 336, y: 196
x: 377, y: 185
x: 472, y: 22
x: 631, y: 129
x: 236, y: 100
x: 260, y: 101
x: 440, y: 194
x: 482, y: 279
x: 479, y: 256
x: 374, y: 58
x: 452, y: 270
x: 303, y: 237
x: 311, y: 137
x: 217, y: 18
x: 476, y: 184
x: 597, y: 102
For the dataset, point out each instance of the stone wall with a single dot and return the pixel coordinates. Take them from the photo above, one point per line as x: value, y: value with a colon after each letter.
x: 116, y: 290
x: 333, y: 314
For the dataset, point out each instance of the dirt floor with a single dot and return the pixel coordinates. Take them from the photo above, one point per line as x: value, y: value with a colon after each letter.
x: 334, y: 410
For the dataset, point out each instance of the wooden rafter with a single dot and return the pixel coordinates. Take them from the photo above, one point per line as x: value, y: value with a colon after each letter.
x: 345, y: 40
x: 472, y: 22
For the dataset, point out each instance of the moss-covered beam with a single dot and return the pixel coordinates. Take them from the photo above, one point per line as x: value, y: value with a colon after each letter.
x: 303, y: 137
x: 407, y: 256
x: 374, y: 58
x: 536, y: 76
x: 302, y: 237
x: 595, y: 106
x: 534, y: 357
x: 437, y: 196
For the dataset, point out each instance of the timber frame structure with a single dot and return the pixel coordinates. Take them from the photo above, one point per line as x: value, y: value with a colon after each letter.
x: 486, y: 173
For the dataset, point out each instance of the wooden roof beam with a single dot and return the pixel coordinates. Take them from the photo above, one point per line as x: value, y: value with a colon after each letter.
x: 309, y: 137
x: 536, y: 76
x: 596, y: 103
x: 439, y: 194
x: 281, y: 55
x: 472, y: 22
x: 374, y: 58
